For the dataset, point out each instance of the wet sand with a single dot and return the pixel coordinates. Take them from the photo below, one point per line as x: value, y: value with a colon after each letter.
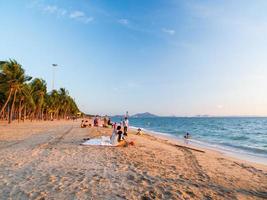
x: 44, y: 160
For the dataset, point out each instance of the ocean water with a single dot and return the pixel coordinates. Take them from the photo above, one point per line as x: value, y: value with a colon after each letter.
x: 245, y: 136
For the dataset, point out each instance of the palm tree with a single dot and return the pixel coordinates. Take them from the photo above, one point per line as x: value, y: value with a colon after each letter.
x: 31, y: 100
x: 54, y: 104
x: 38, y: 93
x: 73, y: 108
x: 26, y: 101
x: 63, y: 98
x: 12, y: 78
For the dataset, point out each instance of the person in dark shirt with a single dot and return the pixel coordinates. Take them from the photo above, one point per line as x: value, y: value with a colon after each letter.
x: 187, y: 136
x: 82, y: 124
x: 109, y: 122
x: 120, y: 133
x: 96, y: 121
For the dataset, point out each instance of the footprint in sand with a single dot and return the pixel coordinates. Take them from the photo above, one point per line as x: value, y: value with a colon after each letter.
x: 130, y: 177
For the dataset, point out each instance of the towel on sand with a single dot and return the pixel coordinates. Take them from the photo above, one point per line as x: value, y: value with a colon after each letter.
x: 103, y: 141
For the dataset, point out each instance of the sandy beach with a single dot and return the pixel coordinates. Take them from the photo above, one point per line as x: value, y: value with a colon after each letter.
x: 44, y: 160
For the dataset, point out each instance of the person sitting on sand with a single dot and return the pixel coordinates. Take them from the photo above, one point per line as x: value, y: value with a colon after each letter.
x: 105, y: 122
x: 139, y: 132
x: 82, y: 124
x: 120, y: 133
x: 109, y: 122
x: 112, y: 141
x: 121, y: 140
x: 114, y: 137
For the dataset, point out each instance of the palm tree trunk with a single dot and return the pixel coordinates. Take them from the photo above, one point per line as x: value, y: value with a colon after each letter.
x: 8, y: 98
x: 8, y: 112
x: 46, y: 115
x: 25, y: 112
x: 42, y: 114
x: 37, y: 113
x: 65, y: 112
x: 31, y: 115
x: 19, y: 111
x: 12, y: 107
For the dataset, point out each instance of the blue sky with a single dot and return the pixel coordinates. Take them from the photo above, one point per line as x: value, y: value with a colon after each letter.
x: 168, y: 57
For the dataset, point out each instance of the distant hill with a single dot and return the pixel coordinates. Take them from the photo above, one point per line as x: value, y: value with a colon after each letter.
x: 144, y: 115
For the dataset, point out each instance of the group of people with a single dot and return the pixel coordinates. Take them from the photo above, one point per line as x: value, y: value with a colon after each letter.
x: 118, y: 134
x: 85, y: 123
x: 118, y: 137
x: 96, y: 122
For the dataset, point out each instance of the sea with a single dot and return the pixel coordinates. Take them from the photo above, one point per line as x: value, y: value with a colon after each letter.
x: 241, y: 137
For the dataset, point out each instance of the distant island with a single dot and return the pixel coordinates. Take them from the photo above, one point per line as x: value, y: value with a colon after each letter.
x: 144, y: 115
x: 138, y: 115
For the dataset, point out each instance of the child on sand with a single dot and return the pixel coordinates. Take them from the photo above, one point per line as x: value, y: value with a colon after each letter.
x: 139, y: 132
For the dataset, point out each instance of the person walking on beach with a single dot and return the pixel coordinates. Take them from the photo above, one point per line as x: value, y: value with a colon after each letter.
x: 186, y: 137
x: 125, y: 126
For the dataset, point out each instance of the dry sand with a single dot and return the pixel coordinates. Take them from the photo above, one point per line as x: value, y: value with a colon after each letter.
x: 44, y: 160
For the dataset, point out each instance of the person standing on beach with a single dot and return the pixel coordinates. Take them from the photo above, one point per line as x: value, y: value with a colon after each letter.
x: 186, y: 137
x: 96, y: 121
x: 125, y: 126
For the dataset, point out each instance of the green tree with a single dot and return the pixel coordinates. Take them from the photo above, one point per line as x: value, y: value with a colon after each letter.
x: 38, y: 87
x: 21, y: 99
x: 12, y: 77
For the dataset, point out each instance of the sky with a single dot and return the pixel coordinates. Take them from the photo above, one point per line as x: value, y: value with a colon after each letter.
x: 167, y: 57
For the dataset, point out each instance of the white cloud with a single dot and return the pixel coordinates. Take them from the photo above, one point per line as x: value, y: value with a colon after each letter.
x: 123, y: 21
x: 54, y: 10
x: 168, y: 31
x: 77, y: 14
x: 80, y: 16
x: 50, y: 9
x: 62, y: 12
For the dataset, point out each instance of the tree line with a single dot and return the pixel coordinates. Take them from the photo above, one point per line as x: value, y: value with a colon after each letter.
x: 25, y: 98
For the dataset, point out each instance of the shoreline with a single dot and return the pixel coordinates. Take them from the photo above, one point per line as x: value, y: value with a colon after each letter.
x: 242, y: 157
x: 46, y: 160
x: 251, y: 158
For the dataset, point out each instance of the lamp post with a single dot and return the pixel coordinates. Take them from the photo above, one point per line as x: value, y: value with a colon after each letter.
x: 53, y: 78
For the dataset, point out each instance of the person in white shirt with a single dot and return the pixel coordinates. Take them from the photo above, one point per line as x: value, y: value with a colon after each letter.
x: 125, y: 126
